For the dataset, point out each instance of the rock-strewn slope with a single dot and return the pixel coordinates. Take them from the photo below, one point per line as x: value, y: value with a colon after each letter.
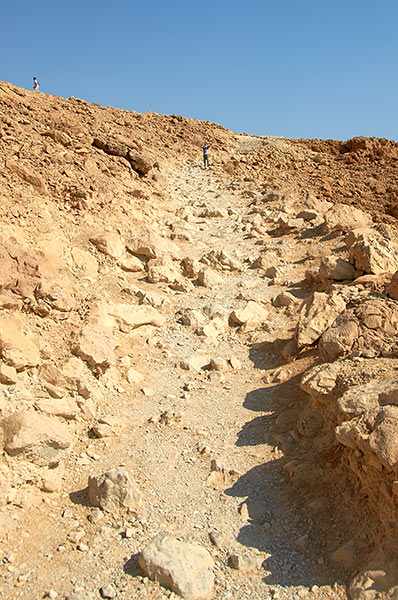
x: 148, y: 307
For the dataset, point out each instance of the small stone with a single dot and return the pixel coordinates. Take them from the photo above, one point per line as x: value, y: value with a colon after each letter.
x: 82, y: 547
x: 245, y: 562
x: 52, y: 594
x: 216, y: 538
x: 235, y: 363
x: 95, y: 515
x: 108, y: 591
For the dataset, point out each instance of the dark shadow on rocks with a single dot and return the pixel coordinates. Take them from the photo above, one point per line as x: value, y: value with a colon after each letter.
x: 132, y: 568
x: 252, y: 433
x: 277, y: 527
x: 266, y: 355
x: 80, y: 497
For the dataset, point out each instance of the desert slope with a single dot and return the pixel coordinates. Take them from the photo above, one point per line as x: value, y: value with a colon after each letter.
x: 222, y: 343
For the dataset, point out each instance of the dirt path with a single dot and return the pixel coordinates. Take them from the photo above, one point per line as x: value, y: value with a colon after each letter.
x: 244, y: 500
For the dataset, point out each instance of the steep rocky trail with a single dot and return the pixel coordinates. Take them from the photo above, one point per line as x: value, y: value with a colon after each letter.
x: 197, y: 442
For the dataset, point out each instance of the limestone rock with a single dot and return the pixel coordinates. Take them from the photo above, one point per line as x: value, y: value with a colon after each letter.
x: 320, y: 381
x: 95, y: 345
x: 371, y: 252
x: 152, y: 246
x: 393, y: 288
x: 17, y: 348
x: 336, y: 268
x: 196, y: 362
x: 186, y: 569
x: 253, y: 311
x: 8, y: 375
x: 374, y: 433
x: 341, y: 217
x: 65, y: 407
x: 113, y: 491
x: 109, y: 243
x: 318, y: 311
x: 26, y: 175
x: 209, y: 278
x: 132, y: 264
x: 163, y: 270
x: 371, y: 326
x: 132, y: 315
x: 85, y: 263
x: 38, y: 438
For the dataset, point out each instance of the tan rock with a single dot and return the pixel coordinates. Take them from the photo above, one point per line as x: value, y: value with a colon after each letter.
x: 132, y: 264
x: 38, y: 438
x: 113, y: 491
x: 18, y: 349
x: 85, y: 263
x: 341, y: 217
x: 64, y: 407
x: 196, y: 362
x: 318, y: 311
x: 369, y: 328
x: 336, y: 268
x: 219, y: 364
x: 163, y: 270
x: 26, y: 175
x: 393, y: 288
x: 95, y: 345
x: 134, y: 376
x: 186, y: 569
x: 252, y: 311
x: 133, y: 316
x: 209, y: 278
x: 372, y: 253
x: 8, y: 375
x: 152, y: 246
x: 109, y: 243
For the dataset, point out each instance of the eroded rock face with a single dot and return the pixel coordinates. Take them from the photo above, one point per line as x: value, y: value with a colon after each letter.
x: 114, y: 490
x: 38, y: 438
x: 369, y: 328
x: 186, y: 569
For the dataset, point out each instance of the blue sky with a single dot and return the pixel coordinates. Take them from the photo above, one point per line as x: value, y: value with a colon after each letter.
x: 309, y: 68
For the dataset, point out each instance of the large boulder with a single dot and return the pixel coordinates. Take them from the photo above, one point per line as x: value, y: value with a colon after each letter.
x: 342, y: 217
x: 371, y: 252
x: 369, y: 328
x: 186, y: 569
x: 336, y: 268
x: 374, y: 433
x: 113, y: 491
x: 317, y: 313
x: 38, y: 438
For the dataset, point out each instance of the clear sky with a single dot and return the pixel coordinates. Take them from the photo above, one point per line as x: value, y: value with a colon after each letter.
x: 293, y: 68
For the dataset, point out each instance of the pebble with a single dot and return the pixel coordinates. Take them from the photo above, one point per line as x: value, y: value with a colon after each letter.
x: 108, y: 591
x: 52, y: 594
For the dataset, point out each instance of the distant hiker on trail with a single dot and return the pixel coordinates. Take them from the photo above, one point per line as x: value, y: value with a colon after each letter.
x: 205, y: 148
x: 35, y: 85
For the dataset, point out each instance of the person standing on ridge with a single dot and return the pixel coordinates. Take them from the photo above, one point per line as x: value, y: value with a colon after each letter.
x: 205, y: 148
x: 35, y: 85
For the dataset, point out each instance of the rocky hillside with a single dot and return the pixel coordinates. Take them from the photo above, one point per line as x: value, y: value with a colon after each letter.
x: 148, y: 308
